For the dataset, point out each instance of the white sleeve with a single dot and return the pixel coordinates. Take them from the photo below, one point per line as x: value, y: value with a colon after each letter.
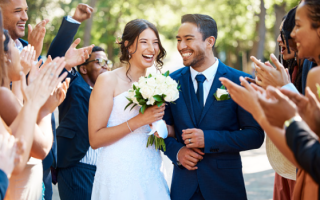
x: 290, y: 87
x: 70, y: 19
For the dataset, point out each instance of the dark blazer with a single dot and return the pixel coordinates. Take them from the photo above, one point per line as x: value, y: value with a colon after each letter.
x: 305, y: 147
x: 4, y: 183
x: 72, y: 133
x: 228, y: 129
x: 59, y: 47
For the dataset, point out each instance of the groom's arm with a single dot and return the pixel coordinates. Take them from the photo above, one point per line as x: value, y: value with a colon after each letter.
x: 250, y: 136
x: 172, y: 145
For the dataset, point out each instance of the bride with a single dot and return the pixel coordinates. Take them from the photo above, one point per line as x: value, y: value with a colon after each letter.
x: 126, y: 169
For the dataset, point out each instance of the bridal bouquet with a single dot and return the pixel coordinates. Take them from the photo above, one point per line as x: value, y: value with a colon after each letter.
x: 155, y: 89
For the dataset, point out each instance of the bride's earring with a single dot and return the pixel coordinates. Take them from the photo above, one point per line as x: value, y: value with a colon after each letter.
x: 129, y: 56
x: 9, y: 60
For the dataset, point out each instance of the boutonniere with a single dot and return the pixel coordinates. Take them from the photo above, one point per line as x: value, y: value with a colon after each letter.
x: 221, y: 94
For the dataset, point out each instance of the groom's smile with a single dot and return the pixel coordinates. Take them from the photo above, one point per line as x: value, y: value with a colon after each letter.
x: 190, y: 44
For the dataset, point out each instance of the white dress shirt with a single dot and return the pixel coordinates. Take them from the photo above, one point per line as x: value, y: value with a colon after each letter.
x: 209, y: 74
x: 91, y: 156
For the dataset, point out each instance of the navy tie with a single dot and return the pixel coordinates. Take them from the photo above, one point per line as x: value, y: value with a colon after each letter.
x: 200, y: 79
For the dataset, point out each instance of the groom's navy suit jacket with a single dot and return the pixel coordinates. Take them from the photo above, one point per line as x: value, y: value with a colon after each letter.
x: 228, y: 129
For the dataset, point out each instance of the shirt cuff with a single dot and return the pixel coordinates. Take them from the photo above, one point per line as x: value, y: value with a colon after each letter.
x: 178, y: 162
x: 70, y: 19
x: 291, y: 88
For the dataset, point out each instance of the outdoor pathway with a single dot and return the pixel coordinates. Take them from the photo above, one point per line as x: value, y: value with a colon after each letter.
x: 258, y: 175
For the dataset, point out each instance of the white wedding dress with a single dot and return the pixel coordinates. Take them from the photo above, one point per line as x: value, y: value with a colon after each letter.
x: 127, y: 170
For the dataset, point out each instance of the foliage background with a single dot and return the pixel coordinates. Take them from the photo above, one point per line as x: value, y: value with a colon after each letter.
x: 245, y: 27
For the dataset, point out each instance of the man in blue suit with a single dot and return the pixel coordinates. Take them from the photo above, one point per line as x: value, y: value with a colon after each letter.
x: 210, y: 132
x: 76, y: 159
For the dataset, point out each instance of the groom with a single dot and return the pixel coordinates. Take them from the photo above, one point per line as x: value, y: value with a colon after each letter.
x: 209, y: 133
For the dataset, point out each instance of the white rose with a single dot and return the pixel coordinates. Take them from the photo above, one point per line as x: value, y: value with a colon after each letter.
x: 151, y: 101
x: 151, y: 82
x: 160, y: 79
x: 171, y: 95
x: 221, y: 92
x: 146, y: 91
x: 170, y: 81
x: 162, y: 88
x: 131, y: 94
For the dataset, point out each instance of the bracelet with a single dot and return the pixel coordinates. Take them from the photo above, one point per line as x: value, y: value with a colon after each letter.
x: 129, y: 126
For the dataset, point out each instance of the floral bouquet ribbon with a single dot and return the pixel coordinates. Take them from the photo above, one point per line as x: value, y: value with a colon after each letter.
x: 154, y: 89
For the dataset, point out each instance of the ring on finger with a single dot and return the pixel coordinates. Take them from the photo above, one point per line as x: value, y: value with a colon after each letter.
x: 51, y: 74
x: 189, y: 141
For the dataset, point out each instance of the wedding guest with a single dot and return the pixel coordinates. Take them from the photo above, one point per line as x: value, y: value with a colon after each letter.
x: 283, y: 187
x: 76, y: 164
x: 28, y: 183
x: 62, y: 46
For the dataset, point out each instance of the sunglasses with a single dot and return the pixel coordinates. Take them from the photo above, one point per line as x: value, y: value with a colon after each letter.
x: 102, y: 62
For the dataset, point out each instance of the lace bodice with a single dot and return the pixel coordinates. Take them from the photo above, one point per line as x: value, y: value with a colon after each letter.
x: 127, y: 169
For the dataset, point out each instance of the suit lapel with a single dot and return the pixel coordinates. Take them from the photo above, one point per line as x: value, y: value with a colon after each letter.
x: 215, y: 85
x: 185, y: 90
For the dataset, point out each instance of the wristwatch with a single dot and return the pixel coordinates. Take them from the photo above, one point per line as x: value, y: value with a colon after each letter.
x: 296, y: 118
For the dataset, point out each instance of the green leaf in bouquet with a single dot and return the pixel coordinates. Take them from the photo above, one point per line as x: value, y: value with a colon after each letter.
x: 129, y: 99
x: 157, y: 98
x: 133, y: 106
x: 159, y: 103
x: 142, y: 102
x: 223, y: 87
x: 134, y: 87
x: 150, y: 75
x: 128, y: 105
x: 143, y: 108
x: 166, y: 74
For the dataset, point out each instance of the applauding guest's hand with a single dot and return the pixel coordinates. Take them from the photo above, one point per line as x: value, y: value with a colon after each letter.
x: 36, y: 36
x: 193, y: 138
x: 27, y: 57
x: 189, y: 158
x: 268, y: 75
x: 246, y: 96
x: 83, y: 12
x: 43, y: 82
x: 278, y: 108
x: 7, y: 153
x: 75, y: 56
x: 308, y: 107
x: 56, y: 98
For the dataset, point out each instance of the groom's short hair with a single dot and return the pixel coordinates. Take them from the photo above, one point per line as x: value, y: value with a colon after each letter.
x: 206, y: 24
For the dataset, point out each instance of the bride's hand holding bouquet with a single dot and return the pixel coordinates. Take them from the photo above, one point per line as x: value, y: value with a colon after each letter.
x: 151, y: 93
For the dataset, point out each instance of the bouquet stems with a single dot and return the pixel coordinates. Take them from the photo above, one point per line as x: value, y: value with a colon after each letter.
x: 158, y: 142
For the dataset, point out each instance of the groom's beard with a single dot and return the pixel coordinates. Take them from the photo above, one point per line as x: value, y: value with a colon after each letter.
x: 197, y: 60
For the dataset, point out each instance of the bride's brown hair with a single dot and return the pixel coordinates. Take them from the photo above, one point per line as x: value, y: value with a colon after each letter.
x: 131, y: 32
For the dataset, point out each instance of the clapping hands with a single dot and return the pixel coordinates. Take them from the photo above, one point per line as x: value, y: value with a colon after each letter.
x: 75, y: 56
x: 27, y: 57
x: 308, y: 107
x: 268, y: 75
x: 42, y: 82
x: 36, y: 36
